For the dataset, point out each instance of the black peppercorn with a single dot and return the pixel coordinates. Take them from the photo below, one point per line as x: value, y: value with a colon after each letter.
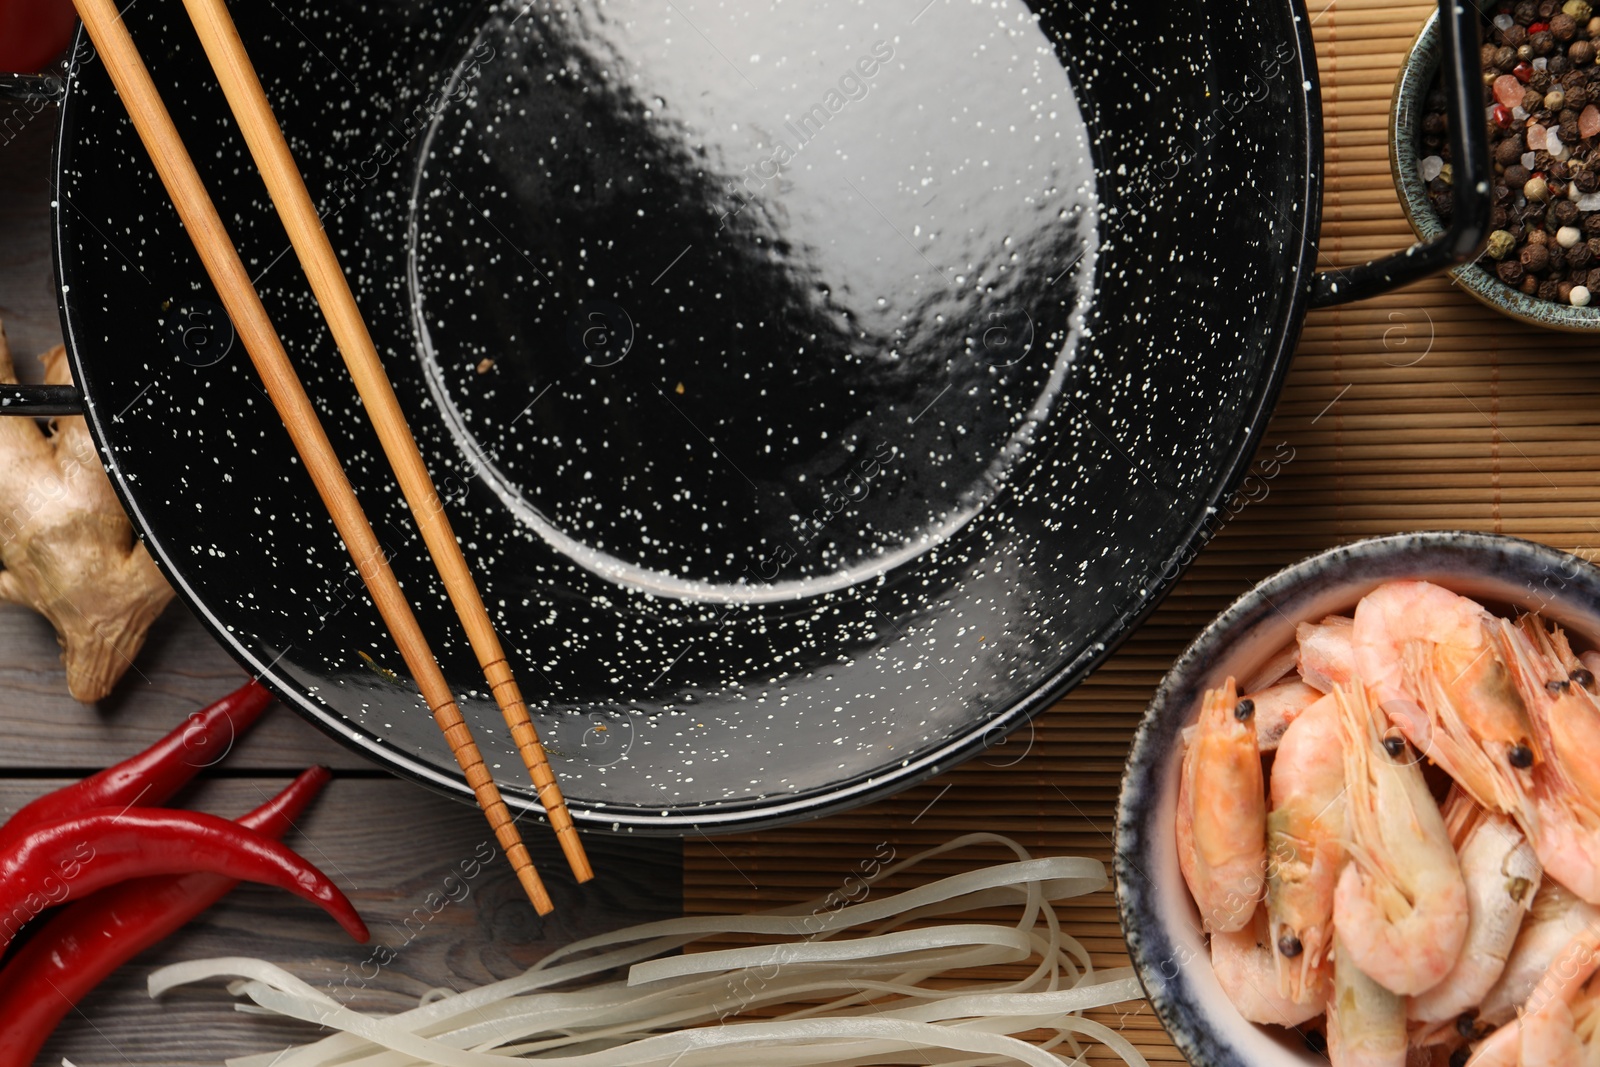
x: 1535, y: 258
x: 1577, y: 97
x: 1565, y: 212
x: 1587, y: 179
x: 1542, y: 43
x: 1498, y: 216
x: 1580, y: 52
x: 1563, y: 27
x: 1513, y: 36
x: 1558, y: 64
x: 1508, y: 151
x: 1509, y: 270
x: 1547, y: 290
x: 1578, y: 258
x: 1530, y: 284
x: 1526, y: 11
x: 1540, y: 81
x: 1548, y: 9
x: 1505, y: 58
x: 1592, y: 282
x: 1517, y: 175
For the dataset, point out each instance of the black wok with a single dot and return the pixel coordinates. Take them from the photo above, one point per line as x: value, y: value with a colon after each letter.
x: 819, y: 391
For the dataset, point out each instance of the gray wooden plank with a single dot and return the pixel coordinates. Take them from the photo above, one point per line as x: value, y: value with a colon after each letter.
x: 180, y: 669
x: 389, y: 845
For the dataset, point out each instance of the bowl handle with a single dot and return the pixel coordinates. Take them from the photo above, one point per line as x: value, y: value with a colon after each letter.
x: 1469, y: 153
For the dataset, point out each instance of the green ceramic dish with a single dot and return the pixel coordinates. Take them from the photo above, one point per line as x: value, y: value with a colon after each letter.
x: 1410, y: 92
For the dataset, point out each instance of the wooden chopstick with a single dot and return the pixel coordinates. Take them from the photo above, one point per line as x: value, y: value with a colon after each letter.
x: 253, y: 112
x: 211, y: 240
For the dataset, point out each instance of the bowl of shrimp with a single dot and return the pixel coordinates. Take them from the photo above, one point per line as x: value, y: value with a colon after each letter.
x: 1360, y: 820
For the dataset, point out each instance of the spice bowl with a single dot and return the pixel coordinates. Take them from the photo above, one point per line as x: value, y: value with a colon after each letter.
x: 1408, y: 156
x: 1159, y: 919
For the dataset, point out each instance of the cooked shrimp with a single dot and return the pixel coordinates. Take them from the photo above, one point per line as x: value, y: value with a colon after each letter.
x: 1546, y: 1021
x: 1555, y: 918
x: 1586, y: 1023
x: 1436, y: 667
x: 1222, y: 813
x: 1325, y: 655
x: 1570, y: 727
x: 1400, y: 906
x: 1502, y: 875
x: 1304, y: 828
x: 1549, y: 1038
x: 1566, y: 719
x: 1275, y: 670
x: 1276, y: 707
x: 1243, y: 964
x: 1366, y: 1022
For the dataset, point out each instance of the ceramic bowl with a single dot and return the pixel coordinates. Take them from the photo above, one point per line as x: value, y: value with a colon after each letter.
x: 1159, y: 919
x: 1405, y: 122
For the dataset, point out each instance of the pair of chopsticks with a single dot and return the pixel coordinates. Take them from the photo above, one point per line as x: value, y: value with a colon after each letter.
x: 254, y: 115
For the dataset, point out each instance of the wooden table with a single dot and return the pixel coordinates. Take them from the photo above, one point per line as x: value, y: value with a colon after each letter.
x: 1412, y: 411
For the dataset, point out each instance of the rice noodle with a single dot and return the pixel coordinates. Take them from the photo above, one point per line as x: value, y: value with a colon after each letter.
x: 875, y: 983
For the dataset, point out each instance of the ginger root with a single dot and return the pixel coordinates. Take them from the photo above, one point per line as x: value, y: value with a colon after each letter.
x: 67, y: 547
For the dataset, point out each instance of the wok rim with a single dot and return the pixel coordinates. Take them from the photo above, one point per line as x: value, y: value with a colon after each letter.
x: 770, y: 812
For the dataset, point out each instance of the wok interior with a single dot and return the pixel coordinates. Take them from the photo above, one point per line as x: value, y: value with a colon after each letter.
x: 817, y: 387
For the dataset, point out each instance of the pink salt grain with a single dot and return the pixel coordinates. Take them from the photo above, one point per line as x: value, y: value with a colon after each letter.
x: 1535, y: 136
x: 1508, y: 90
x: 1589, y: 121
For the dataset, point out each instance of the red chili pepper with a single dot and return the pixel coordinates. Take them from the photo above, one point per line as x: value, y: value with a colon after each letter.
x: 1538, y: 27
x: 1502, y: 115
x: 86, y: 941
x: 73, y: 857
x: 151, y: 777
x: 1523, y: 72
x: 33, y: 32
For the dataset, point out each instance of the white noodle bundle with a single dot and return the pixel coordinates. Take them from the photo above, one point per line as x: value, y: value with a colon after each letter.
x: 867, y: 998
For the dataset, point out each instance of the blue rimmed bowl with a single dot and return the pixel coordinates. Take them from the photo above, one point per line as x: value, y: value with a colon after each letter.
x: 1409, y: 106
x: 1159, y: 919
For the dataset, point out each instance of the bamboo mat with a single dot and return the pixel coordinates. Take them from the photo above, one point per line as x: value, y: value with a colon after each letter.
x: 1418, y: 410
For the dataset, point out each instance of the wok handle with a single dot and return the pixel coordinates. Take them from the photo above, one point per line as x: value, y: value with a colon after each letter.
x: 40, y: 400
x: 1470, y: 184
x: 36, y: 89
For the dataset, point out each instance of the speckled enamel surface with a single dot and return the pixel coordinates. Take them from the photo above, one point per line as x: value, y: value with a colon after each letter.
x: 1159, y: 920
x: 785, y: 491
x: 1410, y: 90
